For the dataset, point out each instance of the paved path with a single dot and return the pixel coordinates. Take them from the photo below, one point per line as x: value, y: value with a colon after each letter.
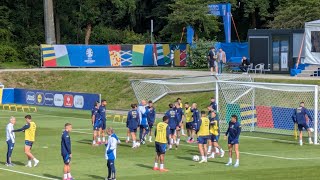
x: 157, y: 71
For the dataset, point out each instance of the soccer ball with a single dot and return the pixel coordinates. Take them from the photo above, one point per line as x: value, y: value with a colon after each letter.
x: 138, y: 144
x: 311, y: 129
x: 195, y: 158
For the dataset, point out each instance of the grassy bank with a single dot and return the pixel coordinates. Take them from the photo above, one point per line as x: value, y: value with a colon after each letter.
x: 115, y: 87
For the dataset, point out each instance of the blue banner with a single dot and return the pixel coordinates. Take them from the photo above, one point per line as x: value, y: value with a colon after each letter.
x: 234, y: 49
x: 190, y: 35
x: 223, y: 10
x: 73, y: 100
x: 86, y: 56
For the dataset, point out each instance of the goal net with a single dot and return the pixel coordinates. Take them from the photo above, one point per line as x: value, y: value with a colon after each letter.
x: 266, y: 107
x: 261, y: 107
x: 155, y: 89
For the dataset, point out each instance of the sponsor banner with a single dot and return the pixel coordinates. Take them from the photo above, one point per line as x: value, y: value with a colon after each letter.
x: 73, y: 100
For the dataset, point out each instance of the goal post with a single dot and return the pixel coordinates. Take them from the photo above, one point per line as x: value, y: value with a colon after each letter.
x: 266, y: 107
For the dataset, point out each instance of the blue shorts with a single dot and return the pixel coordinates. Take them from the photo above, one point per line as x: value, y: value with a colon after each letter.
x: 97, y: 125
x: 301, y: 126
x: 150, y: 124
x: 133, y: 130
x: 233, y: 141
x: 103, y: 124
x: 202, y: 139
x: 194, y: 126
x: 66, y: 159
x: 28, y: 143
x: 172, y: 131
x: 214, y: 138
x: 144, y: 127
x: 189, y: 125
x: 161, y: 148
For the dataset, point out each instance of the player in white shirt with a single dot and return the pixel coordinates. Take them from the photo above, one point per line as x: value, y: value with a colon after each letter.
x: 10, y: 139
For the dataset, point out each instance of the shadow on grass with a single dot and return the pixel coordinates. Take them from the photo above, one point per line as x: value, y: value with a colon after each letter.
x: 145, y: 166
x: 18, y: 163
x: 52, y: 176
x: 95, y: 176
x: 184, y: 158
x: 85, y: 141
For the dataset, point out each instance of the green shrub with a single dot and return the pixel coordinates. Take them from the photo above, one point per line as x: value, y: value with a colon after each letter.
x: 198, y: 54
x: 32, y: 55
x: 8, y: 53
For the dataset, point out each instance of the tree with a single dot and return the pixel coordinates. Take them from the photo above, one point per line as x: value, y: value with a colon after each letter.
x: 294, y: 15
x: 256, y: 11
x: 193, y: 13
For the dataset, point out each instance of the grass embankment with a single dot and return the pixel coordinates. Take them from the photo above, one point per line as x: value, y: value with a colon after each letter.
x: 115, y: 87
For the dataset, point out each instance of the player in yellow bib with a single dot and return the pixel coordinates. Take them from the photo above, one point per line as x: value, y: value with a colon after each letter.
x: 214, y: 135
x: 203, y: 136
x: 162, y: 139
x: 29, y: 136
x: 188, y: 116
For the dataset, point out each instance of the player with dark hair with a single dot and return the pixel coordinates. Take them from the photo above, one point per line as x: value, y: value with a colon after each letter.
x: 151, y: 117
x: 161, y: 140
x: 102, y: 112
x: 173, y: 121
x: 66, y: 151
x: 203, y: 136
x: 30, y: 135
x: 233, y: 133
x: 133, y: 124
x: 214, y: 136
x: 96, y: 123
x: 179, y: 100
x: 299, y: 117
x: 180, y: 116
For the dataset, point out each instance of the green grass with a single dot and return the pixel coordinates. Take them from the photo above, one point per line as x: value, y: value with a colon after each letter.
x: 260, y: 158
x: 115, y: 87
x: 15, y: 65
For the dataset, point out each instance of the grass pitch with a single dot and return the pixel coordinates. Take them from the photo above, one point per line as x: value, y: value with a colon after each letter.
x: 263, y: 156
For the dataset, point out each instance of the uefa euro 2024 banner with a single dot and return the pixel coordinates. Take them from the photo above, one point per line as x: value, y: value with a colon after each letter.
x: 113, y: 55
x: 73, y: 100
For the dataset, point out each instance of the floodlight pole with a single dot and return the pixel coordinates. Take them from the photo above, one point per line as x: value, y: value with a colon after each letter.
x: 49, y: 22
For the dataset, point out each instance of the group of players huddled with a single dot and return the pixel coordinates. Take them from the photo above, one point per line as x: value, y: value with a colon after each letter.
x: 204, y: 125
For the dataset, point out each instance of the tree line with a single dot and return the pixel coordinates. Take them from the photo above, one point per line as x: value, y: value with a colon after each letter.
x: 128, y: 21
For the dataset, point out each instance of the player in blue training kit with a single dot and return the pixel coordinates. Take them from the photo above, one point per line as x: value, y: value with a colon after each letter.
x: 133, y: 124
x: 96, y: 123
x: 233, y: 133
x: 180, y: 116
x: 299, y: 117
x: 144, y: 127
x: 195, y: 121
x: 151, y: 117
x: 66, y: 151
x: 173, y: 122
x: 111, y: 153
x: 213, y: 103
x: 102, y: 112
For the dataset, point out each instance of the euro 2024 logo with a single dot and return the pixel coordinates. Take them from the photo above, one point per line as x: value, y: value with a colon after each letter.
x: 89, y: 54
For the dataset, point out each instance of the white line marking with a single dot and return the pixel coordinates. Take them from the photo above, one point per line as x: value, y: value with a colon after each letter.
x: 269, y: 139
x: 28, y: 174
x: 247, y: 153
